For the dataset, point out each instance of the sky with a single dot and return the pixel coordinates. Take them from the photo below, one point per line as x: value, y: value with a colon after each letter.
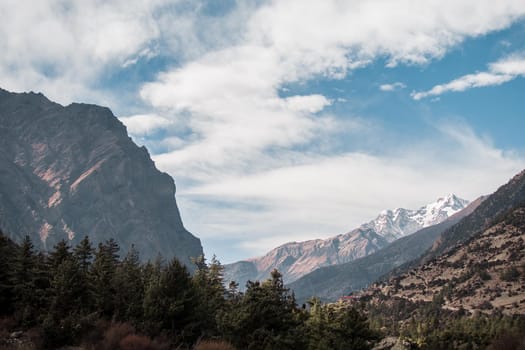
x: 290, y: 120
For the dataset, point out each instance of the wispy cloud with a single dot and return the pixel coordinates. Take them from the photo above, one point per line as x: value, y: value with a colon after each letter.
x: 498, y: 73
x: 323, y: 196
x: 232, y: 94
x: 392, y: 87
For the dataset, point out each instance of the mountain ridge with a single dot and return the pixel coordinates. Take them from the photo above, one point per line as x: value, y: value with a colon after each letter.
x: 71, y: 171
x: 332, y: 282
x: 295, y: 259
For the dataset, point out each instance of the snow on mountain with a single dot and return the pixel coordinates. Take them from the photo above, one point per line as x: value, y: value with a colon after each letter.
x: 397, y: 223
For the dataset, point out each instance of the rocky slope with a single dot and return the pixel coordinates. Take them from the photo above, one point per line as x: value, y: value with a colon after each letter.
x: 331, y: 282
x: 477, y: 265
x: 297, y: 259
x: 503, y: 200
x: 67, y: 172
x: 484, y: 274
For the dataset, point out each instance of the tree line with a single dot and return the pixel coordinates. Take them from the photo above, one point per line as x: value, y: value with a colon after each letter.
x: 92, y: 297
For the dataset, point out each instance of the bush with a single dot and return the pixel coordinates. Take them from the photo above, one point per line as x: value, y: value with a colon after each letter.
x: 484, y: 275
x: 510, y: 275
x: 115, y: 334
x: 136, y: 342
x: 508, y: 342
x: 213, y: 345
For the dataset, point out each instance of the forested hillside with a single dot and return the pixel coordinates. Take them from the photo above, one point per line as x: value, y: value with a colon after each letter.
x: 94, y: 299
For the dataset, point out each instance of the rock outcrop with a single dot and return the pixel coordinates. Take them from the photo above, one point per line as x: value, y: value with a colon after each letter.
x: 68, y: 172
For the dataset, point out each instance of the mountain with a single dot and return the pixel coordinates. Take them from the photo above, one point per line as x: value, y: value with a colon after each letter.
x: 504, y: 199
x: 67, y: 172
x: 297, y: 259
x: 331, y: 282
x: 394, y: 224
x: 477, y: 265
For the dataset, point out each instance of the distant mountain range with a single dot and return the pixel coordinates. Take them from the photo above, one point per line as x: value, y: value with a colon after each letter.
x: 297, y: 259
x: 332, y: 282
x: 68, y: 172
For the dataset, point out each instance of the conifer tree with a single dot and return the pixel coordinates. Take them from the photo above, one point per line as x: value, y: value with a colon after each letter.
x: 6, y: 287
x: 266, y: 317
x: 102, y: 274
x: 83, y: 252
x: 83, y: 255
x: 29, y: 283
x: 170, y: 302
x: 208, y: 281
x: 129, y: 287
x: 61, y: 252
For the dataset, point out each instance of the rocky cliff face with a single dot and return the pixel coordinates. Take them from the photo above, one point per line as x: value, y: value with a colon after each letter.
x: 297, y: 259
x: 67, y: 172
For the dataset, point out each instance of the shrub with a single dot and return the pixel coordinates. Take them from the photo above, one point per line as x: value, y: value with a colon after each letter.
x: 213, y: 345
x: 510, y: 275
x: 136, y: 342
x: 115, y: 334
x: 484, y: 275
x: 508, y: 342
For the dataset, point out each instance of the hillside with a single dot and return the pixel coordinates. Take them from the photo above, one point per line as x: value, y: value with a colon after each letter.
x: 68, y: 172
x: 331, y: 282
x: 477, y: 265
x: 506, y: 198
x: 296, y: 259
x: 484, y: 274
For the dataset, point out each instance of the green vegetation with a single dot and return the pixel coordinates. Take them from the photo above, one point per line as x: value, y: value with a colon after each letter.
x: 94, y: 299
x: 427, y: 326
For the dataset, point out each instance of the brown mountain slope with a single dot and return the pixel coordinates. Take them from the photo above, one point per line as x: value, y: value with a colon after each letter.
x: 506, y: 198
x: 484, y: 274
x: 67, y: 172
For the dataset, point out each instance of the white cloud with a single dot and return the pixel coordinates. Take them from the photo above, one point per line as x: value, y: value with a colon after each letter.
x: 230, y: 132
x: 231, y: 95
x: 499, y: 72
x: 392, y: 87
x: 324, y: 196
x: 244, y: 133
x: 66, y: 48
x: 144, y: 124
x: 311, y: 103
x: 62, y: 48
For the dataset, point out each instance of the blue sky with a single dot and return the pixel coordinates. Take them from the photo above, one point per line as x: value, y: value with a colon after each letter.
x: 291, y: 119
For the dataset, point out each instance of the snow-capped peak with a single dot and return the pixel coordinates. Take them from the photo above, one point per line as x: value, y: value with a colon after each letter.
x: 394, y: 224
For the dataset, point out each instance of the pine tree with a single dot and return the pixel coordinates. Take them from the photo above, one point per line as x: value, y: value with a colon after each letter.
x: 23, y: 279
x: 83, y: 252
x: 129, y: 287
x: 266, y: 317
x: 102, y: 274
x: 61, y: 252
x: 337, y: 326
x: 83, y: 255
x: 7, y: 248
x: 208, y: 281
x: 170, y: 302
